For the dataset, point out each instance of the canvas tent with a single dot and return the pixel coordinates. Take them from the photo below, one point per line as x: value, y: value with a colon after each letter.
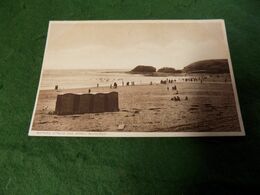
x: 86, y: 103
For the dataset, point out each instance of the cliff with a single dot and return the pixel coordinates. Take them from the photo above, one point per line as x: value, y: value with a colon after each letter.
x: 216, y: 66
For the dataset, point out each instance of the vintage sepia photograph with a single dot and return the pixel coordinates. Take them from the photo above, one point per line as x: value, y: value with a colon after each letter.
x: 137, y: 78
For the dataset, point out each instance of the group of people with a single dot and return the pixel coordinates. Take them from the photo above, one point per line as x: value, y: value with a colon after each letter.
x: 177, y: 98
x: 192, y: 79
x: 113, y: 86
x: 173, y: 88
x: 167, y: 81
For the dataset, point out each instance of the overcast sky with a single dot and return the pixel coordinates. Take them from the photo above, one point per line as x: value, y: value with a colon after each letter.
x: 124, y: 45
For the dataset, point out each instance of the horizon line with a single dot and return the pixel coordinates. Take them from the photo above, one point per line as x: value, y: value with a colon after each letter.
x: 132, y: 67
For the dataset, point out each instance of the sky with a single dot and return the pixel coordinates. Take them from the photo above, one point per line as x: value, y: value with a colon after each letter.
x: 126, y: 44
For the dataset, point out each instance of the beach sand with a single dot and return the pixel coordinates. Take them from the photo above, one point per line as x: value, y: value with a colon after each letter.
x: 148, y: 108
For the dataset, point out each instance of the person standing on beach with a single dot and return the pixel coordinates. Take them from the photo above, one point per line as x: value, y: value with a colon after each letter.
x: 115, y: 85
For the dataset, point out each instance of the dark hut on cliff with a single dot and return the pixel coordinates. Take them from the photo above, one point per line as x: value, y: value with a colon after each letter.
x: 86, y: 103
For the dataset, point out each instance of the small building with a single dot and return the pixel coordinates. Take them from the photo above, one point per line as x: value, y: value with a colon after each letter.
x: 86, y: 103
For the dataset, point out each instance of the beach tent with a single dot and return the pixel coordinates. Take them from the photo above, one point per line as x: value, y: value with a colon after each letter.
x: 99, y: 102
x: 67, y: 104
x: 86, y: 103
x: 112, y: 102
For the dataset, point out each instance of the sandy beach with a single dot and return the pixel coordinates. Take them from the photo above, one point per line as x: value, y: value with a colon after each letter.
x: 148, y: 108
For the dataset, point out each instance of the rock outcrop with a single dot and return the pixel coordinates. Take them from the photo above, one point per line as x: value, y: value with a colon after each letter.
x: 143, y: 69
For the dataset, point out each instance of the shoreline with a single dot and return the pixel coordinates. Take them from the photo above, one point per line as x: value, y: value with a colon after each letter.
x: 143, y: 84
x: 81, y: 79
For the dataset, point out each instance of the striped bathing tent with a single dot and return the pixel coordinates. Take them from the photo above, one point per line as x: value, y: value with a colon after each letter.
x: 86, y: 103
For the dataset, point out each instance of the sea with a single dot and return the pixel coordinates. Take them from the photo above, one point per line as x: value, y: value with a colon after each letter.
x: 71, y: 79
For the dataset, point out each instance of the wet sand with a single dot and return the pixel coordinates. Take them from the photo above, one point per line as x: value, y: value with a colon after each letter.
x: 148, y: 108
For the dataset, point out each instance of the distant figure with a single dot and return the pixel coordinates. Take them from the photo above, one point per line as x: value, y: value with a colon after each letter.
x: 127, y: 84
x: 110, y: 86
x: 186, y: 98
x: 45, y: 108
x: 200, y: 80
x: 168, y: 88
x: 123, y: 83
x: 89, y: 90
x: 97, y: 85
x: 56, y: 87
x: 132, y: 83
x: 115, y: 85
x: 177, y: 92
x: 151, y: 83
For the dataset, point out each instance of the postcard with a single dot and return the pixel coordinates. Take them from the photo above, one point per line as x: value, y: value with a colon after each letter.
x: 137, y: 78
